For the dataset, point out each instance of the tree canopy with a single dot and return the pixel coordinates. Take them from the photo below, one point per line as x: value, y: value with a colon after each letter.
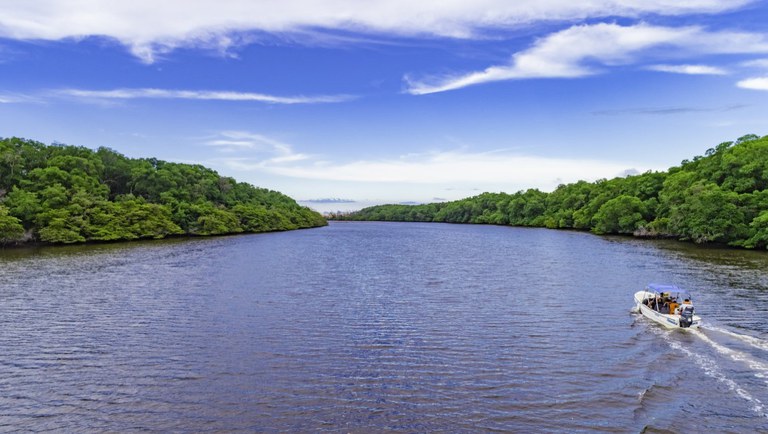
x: 71, y: 194
x: 721, y: 197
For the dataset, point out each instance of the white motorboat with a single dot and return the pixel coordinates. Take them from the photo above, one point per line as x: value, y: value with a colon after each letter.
x: 668, y: 305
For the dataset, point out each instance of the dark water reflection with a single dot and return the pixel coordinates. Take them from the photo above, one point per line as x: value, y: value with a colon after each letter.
x: 370, y: 327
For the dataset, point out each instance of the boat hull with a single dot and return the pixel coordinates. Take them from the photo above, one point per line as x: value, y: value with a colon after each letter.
x: 667, y: 320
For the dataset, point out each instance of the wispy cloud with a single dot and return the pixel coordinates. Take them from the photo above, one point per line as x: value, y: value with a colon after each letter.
x: 666, y: 110
x: 447, y: 167
x: 689, y: 69
x: 255, y: 150
x: 14, y: 98
x: 755, y: 83
x: 757, y: 63
x: 124, y: 94
x: 7, y: 99
x: 150, y: 28
x: 330, y: 200
x: 589, y: 49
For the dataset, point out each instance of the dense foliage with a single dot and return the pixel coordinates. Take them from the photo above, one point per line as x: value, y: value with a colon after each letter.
x: 70, y: 194
x: 721, y: 197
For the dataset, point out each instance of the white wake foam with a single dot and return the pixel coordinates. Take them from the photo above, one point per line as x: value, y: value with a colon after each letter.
x: 712, y: 369
x: 759, y: 368
x: 751, y: 340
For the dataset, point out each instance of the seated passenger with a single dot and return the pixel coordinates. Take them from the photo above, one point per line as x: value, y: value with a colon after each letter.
x: 673, y: 307
x: 658, y: 302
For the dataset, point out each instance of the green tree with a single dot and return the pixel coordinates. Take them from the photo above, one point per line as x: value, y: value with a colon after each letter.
x: 67, y: 194
x: 708, y: 214
x: 758, y: 238
x: 620, y: 215
x: 214, y: 221
x: 719, y: 197
x: 24, y: 205
x: 11, y: 229
x: 61, y: 227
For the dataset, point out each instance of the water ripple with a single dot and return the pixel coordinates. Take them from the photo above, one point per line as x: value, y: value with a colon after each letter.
x: 371, y: 327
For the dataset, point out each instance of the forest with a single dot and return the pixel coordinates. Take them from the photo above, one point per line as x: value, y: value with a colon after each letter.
x: 720, y: 197
x: 72, y: 194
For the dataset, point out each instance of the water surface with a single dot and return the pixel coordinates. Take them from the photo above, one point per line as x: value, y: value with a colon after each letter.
x: 371, y: 327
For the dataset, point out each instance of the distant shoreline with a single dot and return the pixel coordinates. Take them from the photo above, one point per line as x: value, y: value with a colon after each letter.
x: 719, y: 199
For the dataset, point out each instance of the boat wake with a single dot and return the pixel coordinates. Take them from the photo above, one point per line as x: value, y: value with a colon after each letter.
x: 750, y: 340
x: 712, y: 369
x: 760, y: 368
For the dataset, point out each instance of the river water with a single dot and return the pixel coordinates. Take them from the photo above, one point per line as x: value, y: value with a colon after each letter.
x: 373, y: 327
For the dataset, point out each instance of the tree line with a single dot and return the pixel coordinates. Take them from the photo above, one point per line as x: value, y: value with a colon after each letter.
x: 73, y: 194
x: 721, y: 197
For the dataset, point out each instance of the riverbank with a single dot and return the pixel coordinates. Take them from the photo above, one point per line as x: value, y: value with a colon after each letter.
x: 719, y: 198
x: 64, y: 194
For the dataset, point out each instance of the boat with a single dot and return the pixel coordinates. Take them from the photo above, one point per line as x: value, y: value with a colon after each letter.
x: 668, y: 305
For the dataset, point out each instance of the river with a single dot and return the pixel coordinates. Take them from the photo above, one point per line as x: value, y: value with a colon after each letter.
x: 374, y: 327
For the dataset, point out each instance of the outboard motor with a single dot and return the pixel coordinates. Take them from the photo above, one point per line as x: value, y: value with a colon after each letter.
x: 686, y: 316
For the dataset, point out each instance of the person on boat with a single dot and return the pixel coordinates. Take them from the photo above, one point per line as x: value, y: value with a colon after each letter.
x: 685, y: 305
x: 658, y: 302
x: 673, y: 306
x: 663, y: 302
x: 686, y: 312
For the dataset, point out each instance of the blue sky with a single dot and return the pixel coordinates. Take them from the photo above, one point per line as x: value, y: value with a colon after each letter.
x: 396, y: 101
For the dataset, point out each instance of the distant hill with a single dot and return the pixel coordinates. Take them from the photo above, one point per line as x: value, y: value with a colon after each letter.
x: 72, y: 194
x: 721, y: 197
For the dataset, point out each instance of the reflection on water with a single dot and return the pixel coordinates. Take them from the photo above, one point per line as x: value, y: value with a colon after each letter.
x: 362, y: 327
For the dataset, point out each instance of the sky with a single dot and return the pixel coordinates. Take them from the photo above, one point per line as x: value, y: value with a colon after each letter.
x: 343, y: 104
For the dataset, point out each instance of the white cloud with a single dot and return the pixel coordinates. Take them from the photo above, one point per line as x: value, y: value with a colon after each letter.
x: 689, y: 69
x: 13, y: 98
x: 757, y: 63
x: 118, y: 94
x: 421, y: 177
x: 150, y: 27
x: 756, y: 83
x: 460, y: 167
x: 586, y: 49
x: 263, y: 151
